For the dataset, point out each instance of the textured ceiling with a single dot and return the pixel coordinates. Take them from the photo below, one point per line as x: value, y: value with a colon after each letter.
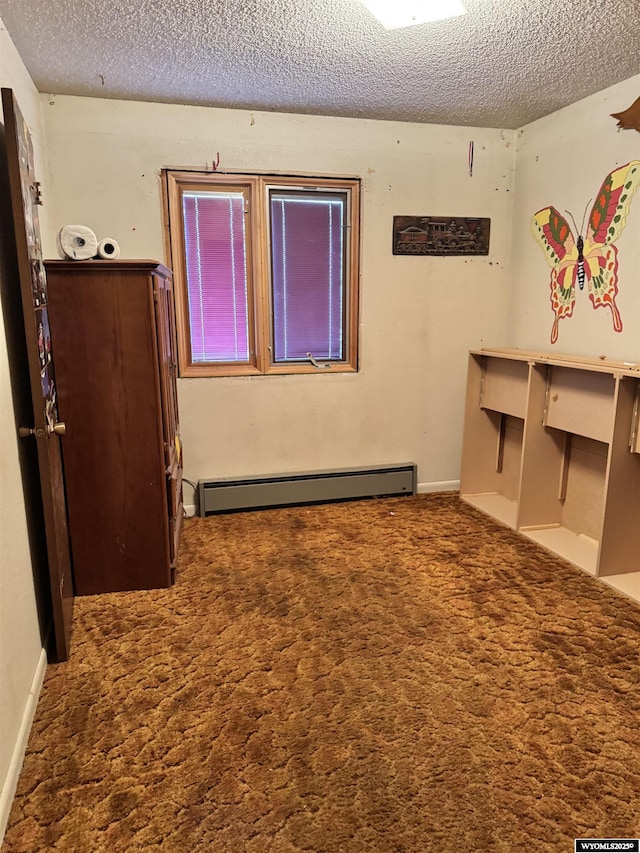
x: 504, y: 64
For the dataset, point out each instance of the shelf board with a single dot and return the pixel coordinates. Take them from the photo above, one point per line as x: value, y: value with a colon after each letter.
x: 601, y: 364
x: 497, y: 506
x: 628, y: 584
x: 576, y: 548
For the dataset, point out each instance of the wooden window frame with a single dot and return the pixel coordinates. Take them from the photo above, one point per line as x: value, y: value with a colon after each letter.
x: 260, y: 313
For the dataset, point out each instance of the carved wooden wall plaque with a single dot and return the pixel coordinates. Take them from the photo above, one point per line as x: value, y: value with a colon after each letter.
x: 440, y: 235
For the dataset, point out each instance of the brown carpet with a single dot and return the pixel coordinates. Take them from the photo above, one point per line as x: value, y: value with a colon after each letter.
x: 398, y: 676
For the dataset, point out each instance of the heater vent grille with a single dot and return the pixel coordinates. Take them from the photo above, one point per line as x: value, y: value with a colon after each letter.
x: 310, y: 487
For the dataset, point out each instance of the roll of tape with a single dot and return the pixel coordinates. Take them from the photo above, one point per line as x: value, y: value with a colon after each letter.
x: 77, y: 242
x: 108, y: 248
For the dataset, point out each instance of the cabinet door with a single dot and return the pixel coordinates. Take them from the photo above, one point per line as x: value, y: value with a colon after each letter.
x: 166, y: 342
x: 163, y: 297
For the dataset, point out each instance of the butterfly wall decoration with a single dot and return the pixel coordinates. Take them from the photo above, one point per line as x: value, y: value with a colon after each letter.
x: 592, y: 258
x: 629, y: 119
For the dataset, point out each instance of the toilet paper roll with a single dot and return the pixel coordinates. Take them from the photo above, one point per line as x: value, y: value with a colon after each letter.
x: 77, y: 242
x: 108, y: 248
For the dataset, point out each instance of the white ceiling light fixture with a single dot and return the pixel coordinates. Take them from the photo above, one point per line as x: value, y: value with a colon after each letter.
x: 394, y: 14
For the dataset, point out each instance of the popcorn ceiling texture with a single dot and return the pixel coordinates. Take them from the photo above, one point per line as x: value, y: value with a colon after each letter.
x: 504, y: 64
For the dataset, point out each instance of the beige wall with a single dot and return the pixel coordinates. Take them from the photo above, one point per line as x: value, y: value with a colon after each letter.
x: 419, y: 316
x: 562, y: 160
x: 20, y: 645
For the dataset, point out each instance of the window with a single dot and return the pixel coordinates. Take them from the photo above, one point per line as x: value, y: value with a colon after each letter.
x: 266, y: 272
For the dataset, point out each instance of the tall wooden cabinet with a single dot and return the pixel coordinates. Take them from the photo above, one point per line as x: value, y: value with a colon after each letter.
x: 552, y: 449
x: 112, y: 324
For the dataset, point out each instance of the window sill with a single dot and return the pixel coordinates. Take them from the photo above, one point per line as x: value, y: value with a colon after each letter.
x: 207, y: 371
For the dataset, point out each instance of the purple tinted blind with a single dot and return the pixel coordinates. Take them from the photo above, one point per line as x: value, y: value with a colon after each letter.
x: 307, y: 272
x: 216, y: 259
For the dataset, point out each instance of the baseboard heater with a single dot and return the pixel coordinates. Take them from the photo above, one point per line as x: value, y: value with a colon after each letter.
x: 307, y: 488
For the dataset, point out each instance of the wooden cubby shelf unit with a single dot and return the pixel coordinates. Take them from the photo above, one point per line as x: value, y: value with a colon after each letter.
x: 552, y: 449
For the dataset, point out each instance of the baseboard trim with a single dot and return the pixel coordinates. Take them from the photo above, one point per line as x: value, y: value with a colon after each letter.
x: 17, y: 757
x: 439, y: 486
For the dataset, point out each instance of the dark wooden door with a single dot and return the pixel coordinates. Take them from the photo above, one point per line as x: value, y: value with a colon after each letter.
x: 46, y: 428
